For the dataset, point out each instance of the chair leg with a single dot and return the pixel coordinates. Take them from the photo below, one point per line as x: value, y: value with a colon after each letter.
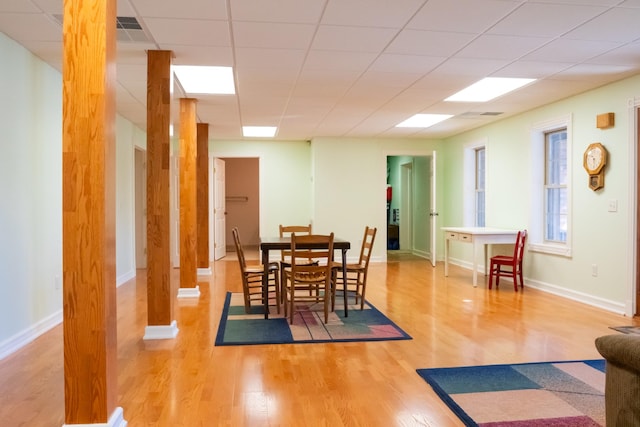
x: 491, y: 275
x: 276, y: 282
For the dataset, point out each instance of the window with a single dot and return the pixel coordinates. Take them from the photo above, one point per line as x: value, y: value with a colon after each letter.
x: 475, y: 184
x: 550, y: 229
x: 555, y: 186
x: 479, y: 187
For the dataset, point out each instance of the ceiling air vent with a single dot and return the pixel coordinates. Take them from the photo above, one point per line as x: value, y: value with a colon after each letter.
x: 128, y: 29
x: 479, y: 114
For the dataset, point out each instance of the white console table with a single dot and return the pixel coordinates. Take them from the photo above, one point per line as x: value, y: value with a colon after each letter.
x: 478, y: 236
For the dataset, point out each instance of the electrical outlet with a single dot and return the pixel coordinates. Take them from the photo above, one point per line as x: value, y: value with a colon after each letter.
x: 594, y: 270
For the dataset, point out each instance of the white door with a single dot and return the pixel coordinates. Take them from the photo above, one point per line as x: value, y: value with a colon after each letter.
x: 406, y: 207
x: 433, y: 214
x: 219, y: 210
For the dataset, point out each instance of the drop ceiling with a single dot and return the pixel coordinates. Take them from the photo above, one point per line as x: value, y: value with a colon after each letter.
x: 356, y: 68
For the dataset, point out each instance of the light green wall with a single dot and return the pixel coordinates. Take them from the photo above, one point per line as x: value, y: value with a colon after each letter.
x: 31, y: 197
x: 599, y: 237
x: 285, y: 179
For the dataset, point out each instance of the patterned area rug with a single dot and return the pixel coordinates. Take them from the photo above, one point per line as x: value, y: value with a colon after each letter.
x: 550, y: 394
x: 238, y: 328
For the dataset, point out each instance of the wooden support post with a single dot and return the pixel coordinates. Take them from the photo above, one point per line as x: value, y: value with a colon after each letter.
x: 88, y: 217
x: 188, y: 217
x: 159, y: 292
x: 202, y: 182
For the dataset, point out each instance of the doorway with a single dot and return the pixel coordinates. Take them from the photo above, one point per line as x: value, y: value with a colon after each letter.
x: 242, y: 199
x: 410, y: 204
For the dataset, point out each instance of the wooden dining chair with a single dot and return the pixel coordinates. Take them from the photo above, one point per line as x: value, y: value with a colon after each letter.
x: 511, y: 266
x: 285, y: 254
x: 309, y: 282
x: 357, y: 273
x: 252, y: 278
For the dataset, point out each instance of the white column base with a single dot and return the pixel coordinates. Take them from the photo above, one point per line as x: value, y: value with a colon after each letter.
x: 161, y: 332
x: 116, y: 420
x: 189, y: 292
x: 204, y: 271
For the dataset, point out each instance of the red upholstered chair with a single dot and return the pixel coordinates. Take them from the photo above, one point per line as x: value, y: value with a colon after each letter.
x: 504, y: 265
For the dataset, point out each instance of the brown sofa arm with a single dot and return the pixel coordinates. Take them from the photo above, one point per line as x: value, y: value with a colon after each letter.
x: 623, y: 350
x: 622, y: 381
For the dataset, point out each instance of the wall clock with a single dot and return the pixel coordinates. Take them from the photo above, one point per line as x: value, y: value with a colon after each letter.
x: 594, y: 162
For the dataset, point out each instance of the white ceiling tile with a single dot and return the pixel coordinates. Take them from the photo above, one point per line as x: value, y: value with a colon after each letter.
x: 429, y: 43
x: 356, y: 39
x: 193, y: 9
x: 272, y: 35
x: 616, y: 25
x: 545, y: 20
x: 470, y: 66
x: 533, y: 69
x: 30, y: 27
x: 386, y: 14
x: 566, y: 50
x: 390, y: 62
x: 195, y: 32
x: 19, y: 6
x: 336, y: 60
x: 294, y: 11
x: 472, y: 16
x: 277, y: 59
x: 501, y: 47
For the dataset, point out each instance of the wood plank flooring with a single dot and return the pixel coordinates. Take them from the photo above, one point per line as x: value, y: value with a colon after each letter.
x: 189, y: 382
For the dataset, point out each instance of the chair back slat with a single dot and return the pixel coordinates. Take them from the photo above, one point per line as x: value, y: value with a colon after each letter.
x: 286, y: 231
x: 367, y: 246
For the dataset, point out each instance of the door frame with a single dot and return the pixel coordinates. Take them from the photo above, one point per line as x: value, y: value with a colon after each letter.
x: 430, y: 153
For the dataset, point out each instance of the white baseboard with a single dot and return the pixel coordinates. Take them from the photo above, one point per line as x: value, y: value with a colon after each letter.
x: 161, y: 332
x: 189, y: 292
x: 23, y: 338
x: 205, y: 272
x: 571, y: 294
x: 124, y: 278
x: 116, y: 420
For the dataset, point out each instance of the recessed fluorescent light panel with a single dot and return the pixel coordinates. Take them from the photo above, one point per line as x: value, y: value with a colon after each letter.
x: 488, y: 89
x: 205, y: 80
x: 423, y: 120
x: 259, y: 131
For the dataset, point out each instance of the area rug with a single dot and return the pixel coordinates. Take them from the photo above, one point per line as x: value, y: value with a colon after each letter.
x: 626, y: 329
x: 239, y: 328
x: 550, y: 394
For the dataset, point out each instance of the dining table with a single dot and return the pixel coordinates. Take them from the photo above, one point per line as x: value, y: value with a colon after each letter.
x: 268, y: 244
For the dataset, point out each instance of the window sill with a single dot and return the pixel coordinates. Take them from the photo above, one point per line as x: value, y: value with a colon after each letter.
x: 564, y: 251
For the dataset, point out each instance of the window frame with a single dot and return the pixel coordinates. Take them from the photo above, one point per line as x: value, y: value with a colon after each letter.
x: 537, y: 241
x: 469, y: 181
x: 477, y: 190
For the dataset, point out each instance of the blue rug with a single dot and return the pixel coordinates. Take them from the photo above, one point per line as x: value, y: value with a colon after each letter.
x: 548, y: 394
x: 239, y: 328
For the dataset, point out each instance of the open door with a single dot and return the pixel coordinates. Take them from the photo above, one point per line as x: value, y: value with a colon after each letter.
x: 220, y: 209
x: 433, y: 213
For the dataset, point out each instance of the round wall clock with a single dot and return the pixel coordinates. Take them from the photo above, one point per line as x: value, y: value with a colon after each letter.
x: 594, y: 161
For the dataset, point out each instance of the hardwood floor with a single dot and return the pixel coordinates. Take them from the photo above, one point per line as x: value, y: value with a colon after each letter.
x: 188, y: 381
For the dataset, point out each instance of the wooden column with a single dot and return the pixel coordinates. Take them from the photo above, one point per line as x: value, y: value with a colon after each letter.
x: 188, y: 216
x: 159, y: 293
x: 202, y: 182
x: 88, y: 217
